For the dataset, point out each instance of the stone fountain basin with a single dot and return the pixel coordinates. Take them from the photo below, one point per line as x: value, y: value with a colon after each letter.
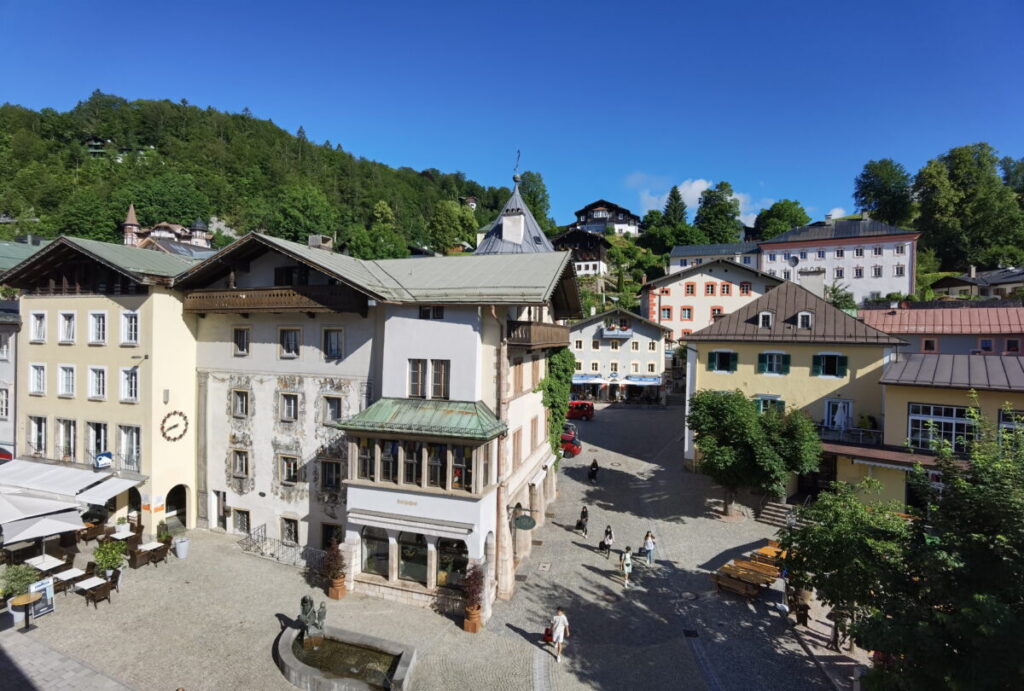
x: 313, y: 679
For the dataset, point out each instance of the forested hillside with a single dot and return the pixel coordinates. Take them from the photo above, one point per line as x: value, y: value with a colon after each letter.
x: 177, y: 162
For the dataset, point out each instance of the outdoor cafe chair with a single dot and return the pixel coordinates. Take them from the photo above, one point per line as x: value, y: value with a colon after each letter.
x: 100, y: 592
x: 90, y: 570
x: 138, y: 558
x: 159, y: 554
x: 115, y: 579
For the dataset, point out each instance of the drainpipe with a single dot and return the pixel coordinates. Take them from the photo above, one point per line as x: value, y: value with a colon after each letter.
x: 504, y: 569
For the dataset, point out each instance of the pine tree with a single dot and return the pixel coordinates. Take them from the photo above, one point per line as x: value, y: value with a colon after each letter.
x: 675, y: 209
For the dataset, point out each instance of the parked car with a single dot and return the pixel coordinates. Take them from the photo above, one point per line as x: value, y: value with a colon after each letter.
x: 571, y: 445
x: 580, y: 410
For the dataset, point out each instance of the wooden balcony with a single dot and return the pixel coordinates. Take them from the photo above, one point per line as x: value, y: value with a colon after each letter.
x: 532, y: 335
x: 334, y: 298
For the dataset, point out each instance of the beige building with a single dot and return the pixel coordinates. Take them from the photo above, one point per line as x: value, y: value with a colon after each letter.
x: 106, y: 376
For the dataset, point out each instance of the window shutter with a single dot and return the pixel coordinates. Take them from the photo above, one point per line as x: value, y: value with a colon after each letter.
x: 762, y: 363
x: 816, y: 366
x: 785, y: 364
x: 712, y: 356
x: 842, y: 366
x: 733, y: 359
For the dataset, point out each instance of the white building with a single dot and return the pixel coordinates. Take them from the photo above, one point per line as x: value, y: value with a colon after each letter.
x: 619, y: 355
x: 390, y: 404
x: 598, y: 216
x: 10, y: 324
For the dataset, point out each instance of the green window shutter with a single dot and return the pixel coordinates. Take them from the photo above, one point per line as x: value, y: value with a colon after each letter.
x: 733, y: 360
x: 842, y: 365
x: 712, y: 357
x: 762, y: 363
x: 816, y: 366
x: 785, y: 364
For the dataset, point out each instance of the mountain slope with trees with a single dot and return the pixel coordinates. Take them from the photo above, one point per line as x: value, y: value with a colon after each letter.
x: 77, y: 171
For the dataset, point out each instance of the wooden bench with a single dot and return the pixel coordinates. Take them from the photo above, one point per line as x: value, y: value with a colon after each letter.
x: 759, y: 567
x: 734, y: 585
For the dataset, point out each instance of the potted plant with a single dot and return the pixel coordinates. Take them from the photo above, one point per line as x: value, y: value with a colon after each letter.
x: 473, y: 586
x: 334, y: 571
x: 162, y: 533
x: 109, y: 556
x: 122, y: 525
x: 16, y: 580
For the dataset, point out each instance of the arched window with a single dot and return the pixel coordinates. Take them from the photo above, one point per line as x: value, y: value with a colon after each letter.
x: 375, y: 551
x: 452, y: 561
x: 412, y: 557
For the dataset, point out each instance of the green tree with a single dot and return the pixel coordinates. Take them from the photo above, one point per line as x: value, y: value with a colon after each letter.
x: 781, y: 216
x: 651, y: 219
x: 301, y: 211
x: 838, y: 296
x: 675, y: 209
x: 1013, y: 176
x: 884, y: 188
x: 450, y: 224
x: 535, y: 194
x: 86, y: 215
x: 967, y: 212
x: 740, y: 447
x: 381, y: 241
x: 718, y: 214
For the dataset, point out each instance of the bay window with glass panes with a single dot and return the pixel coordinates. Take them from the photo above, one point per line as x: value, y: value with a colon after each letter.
x: 457, y: 467
x: 931, y: 424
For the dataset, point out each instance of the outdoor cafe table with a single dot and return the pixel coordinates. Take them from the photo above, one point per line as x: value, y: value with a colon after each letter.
x: 746, y: 575
x: 69, y: 574
x: 89, y: 583
x: 769, y: 554
x: 26, y: 600
x: 766, y: 569
x: 44, y: 562
x: 149, y: 545
x: 122, y: 536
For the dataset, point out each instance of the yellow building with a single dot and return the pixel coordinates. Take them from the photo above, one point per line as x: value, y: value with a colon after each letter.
x: 790, y: 348
x: 107, y: 371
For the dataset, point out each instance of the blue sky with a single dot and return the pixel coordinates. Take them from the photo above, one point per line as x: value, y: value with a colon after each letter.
x: 614, y: 100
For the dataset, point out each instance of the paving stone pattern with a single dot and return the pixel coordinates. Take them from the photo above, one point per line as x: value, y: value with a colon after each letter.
x: 209, y: 621
x: 27, y: 663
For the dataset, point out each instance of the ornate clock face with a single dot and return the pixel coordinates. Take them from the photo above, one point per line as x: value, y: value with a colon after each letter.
x: 174, y: 425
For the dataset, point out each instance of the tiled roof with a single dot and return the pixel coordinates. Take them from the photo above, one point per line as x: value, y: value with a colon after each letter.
x: 983, y: 372
x: 534, y: 241
x: 979, y: 320
x: 838, y: 230
x: 828, y: 324
x: 697, y: 268
x: 721, y: 248
x: 458, y: 419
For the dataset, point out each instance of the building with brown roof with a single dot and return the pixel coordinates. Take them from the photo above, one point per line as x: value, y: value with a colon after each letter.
x: 961, y: 331
x: 197, y: 234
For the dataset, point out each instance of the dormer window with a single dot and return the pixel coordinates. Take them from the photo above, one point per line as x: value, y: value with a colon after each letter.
x: 764, y: 320
x: 804, y: 320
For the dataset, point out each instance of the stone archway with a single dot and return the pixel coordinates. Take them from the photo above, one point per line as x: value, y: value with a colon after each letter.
x: 176, y: 508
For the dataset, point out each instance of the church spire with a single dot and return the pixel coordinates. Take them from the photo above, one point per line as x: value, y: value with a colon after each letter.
x: 130, y: 227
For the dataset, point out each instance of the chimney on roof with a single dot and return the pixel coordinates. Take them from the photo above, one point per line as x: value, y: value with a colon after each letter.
x: 828, y: 219
x: 865, y: 216
x: 973, y: 272
x: 513, y: 226
x: 320, y: 242
x: 813, y: 280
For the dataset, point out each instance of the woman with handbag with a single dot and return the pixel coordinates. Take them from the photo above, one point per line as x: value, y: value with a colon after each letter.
x: 606, y: 543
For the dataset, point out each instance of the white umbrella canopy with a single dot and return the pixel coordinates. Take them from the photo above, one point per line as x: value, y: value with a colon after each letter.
x: 15, y: 507
x: 42, y: 526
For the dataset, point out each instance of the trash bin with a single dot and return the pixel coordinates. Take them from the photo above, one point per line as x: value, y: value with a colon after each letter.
x: 181, y: 547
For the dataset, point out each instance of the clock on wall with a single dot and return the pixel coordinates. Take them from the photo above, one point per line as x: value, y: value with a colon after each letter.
x: 174, y: 425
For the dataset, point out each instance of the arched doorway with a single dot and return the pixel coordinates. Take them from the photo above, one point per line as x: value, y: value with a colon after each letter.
x: 176, y: 508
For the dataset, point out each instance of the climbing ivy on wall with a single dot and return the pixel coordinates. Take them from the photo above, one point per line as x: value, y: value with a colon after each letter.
x: 556, y: 387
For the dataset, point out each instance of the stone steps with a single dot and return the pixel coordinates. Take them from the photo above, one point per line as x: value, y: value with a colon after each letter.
x: 776, y: 514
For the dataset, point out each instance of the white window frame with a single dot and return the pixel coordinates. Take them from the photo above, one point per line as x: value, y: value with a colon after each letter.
x: 834, y: 354
x: 33, y: 368
x: 876, y: 271
x: 800, y: 317
x: 124, y: 381
x: 281, y: 353
x: 236, y: 454
x: 762, y: 398
x: 652, y: 368
x: 5, y: 347
x: 235, y: 398
x: 767, y: 372
x: 341, y: 342
x: 901, y: 249
x: 284, y: 406
x: 127, y: 317
x: 899, y: 271
x: 925, y: 417
x: 63, y: 337
x: 5, y: 404
x: 840, y: 254
x: 67, y: 438
x: 248, y: 341
x: 126, y: 435
x: 37, y: 327
x: 62, y: 391
x: 281, y: 466
x: 102, y: 340
x: 327, y: 419
x: 38, y: 430
x: 761, y: 319
x: 93, y: 393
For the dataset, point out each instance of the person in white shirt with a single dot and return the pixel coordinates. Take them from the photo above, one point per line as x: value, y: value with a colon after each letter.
x: 559, y: 632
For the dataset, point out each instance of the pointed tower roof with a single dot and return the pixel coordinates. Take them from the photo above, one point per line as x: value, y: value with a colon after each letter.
x: 130, y: 219
x: 496, y: 240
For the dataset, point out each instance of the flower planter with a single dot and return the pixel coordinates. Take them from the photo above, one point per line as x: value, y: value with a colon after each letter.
x: 336, y: 590
x: 17, y: 614
x: 471, y: 623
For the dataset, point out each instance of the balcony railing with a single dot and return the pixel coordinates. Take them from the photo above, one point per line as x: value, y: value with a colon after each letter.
x: 537, y: 335
x: 623, y: 332
x: 282, y: 299
x: 850, y: 435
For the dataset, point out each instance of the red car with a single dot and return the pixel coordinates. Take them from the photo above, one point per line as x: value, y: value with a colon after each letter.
x: 580, y: 410
x: 571, y: 445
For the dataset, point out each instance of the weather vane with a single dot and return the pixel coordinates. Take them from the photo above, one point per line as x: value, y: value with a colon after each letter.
x: 515, y: 170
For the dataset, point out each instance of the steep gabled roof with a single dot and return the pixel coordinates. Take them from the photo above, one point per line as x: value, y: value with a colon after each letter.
x: 606, y: 204
x: 976, y: 320
x: 617, y: 312
x: 828, y: 324
x: 143, y: 266
x: 720, y: 248
x: 573, y: 230
x: 534, y: 241
x: 697, y: 268
x: 838, y: 230
x: 981, y: 372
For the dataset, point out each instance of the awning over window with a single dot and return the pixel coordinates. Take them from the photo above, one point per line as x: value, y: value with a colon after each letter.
x: 643, y: 381
x: 42, y: 526
x: 111, y: 487
x: 588, y: 379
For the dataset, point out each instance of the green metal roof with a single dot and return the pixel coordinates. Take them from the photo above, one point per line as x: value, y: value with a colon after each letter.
x: 13, y: 253
x: 133, y: 259
x: 457, y: 419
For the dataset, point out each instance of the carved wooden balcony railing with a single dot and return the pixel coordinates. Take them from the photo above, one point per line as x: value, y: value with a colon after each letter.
x: 537, y: 335
x: 281, y: 299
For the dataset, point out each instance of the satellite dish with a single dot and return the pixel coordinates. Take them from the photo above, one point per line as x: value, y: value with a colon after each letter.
x: 794, y: 260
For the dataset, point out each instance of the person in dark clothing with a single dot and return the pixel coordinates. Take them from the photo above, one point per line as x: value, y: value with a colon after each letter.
x: 607, y: 541
x: 593, y: 472
x: 582, y: 523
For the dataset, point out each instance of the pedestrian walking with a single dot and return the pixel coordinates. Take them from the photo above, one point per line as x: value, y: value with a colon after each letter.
x: 607, y: 541
x: 581, y: 524
x: 559, y: 632
x: 626, y: 563
x: 594, y: 467
x: 649, y: 543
